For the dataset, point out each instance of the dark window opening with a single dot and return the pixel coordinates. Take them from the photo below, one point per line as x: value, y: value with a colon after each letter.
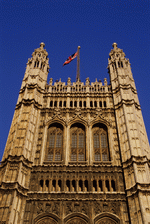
x: 55, y: 104
x: 71, y: 104
x: 51, y: 103
x: 73, y: 185
x: 75, y: 103
x: 64, y: 103
x: 107, y: 185
x: 47, y: 183
x: 95, y: 104
x: 100, y: 103
x: 113, y: 185
x: 59, y: 185
x: 91, y: 103
x: 80, y: 185
x: 80, y: 104
x: 104, y: 103
x: 54, y: 185
x: 86, y: 185
x: 94, y: 185
x: 60, y: 103
x: 84, y: 103
x: 41, y: 184
x: 68, y: 185
x: 100, y: 185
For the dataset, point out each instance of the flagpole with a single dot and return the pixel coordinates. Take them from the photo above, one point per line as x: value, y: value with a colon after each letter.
x: 78, y: 64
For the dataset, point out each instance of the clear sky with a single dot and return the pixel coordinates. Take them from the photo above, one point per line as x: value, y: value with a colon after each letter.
x: 63, y: 25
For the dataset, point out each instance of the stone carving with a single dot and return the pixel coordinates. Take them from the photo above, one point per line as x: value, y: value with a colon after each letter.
x: 55, y: 115
x: 98, y: 113
x: 100, y: 207
x: 76, y: 221
x: 46, y: 221
x: 77, y: 206
x: 40, y: 208
x: 106, y: 221
x: 53, y: 207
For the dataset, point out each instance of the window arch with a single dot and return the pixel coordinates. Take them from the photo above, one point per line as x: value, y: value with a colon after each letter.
x: 77, y: 143
x: 100, y: 143
x: 54, y: 143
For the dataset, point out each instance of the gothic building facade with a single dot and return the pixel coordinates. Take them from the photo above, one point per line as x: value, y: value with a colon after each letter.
x: 76, y: 152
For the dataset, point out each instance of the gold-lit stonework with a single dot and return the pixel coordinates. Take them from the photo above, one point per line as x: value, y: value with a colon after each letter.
x: 76, y: 153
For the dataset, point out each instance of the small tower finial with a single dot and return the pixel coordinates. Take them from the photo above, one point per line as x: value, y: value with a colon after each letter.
x: 42, y: 45
x: 114, y: 45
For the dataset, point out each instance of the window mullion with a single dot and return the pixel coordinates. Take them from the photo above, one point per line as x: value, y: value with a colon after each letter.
x: 100, y: 148
x: 54, y: 151
x: 77, y: 146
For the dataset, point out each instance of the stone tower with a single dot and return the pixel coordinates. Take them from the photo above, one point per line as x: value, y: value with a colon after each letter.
x: 77, y: 153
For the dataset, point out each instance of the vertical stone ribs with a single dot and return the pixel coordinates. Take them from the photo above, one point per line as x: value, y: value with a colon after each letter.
x: 133, y: 140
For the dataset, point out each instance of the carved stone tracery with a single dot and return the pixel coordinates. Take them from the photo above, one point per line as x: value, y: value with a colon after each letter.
x: 46, y: 221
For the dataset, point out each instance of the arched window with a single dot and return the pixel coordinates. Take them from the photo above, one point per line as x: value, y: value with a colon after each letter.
x: 51, y: 103
x: 100, y: 143
x: 77, y: 143
x: 55, y: 103
x: 64, y: 103
x: 71, y: 104
x: 100, y: 103
x: 80, y: 104
x: 75, y: 103
x: 54, y: 143
x: 104, y: 103
x: 95, y: 104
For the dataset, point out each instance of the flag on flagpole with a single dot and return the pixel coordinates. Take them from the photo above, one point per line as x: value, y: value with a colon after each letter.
x: 70, y: 58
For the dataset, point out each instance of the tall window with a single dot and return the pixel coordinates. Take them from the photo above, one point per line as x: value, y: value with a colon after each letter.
x: 100, y: 143
x: 77, y: 143
x: 54, y: 143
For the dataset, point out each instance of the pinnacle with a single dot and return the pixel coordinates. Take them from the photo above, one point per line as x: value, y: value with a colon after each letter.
x: 114, y: 45
x: 42, y: 45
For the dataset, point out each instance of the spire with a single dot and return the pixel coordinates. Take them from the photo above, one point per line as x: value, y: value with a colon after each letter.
x: 40, y: 58
x: 78, y: 64
x: 42, y: 45
x: 114, y: 46
x: 37, y: 66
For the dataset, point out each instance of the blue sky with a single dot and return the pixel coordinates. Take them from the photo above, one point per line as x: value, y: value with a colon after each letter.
x: 63, y: 25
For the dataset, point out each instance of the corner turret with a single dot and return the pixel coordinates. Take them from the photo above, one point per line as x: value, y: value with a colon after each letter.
x: 37, y: 68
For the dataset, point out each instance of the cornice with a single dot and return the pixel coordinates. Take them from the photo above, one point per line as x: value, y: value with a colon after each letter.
x: 139, y: 160
x: 138, y: 187
x: 101, y: 168
x: 32, y: 86
x: 29, y: 102
x: 127, y: 102
x: 12, y: 186
x: 77, y: 196
x: 80, y: 94
x: 124, y: 86
x: 16, y: 159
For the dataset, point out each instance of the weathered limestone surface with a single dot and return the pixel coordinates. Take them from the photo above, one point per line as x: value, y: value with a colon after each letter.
x: 76, y: 152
